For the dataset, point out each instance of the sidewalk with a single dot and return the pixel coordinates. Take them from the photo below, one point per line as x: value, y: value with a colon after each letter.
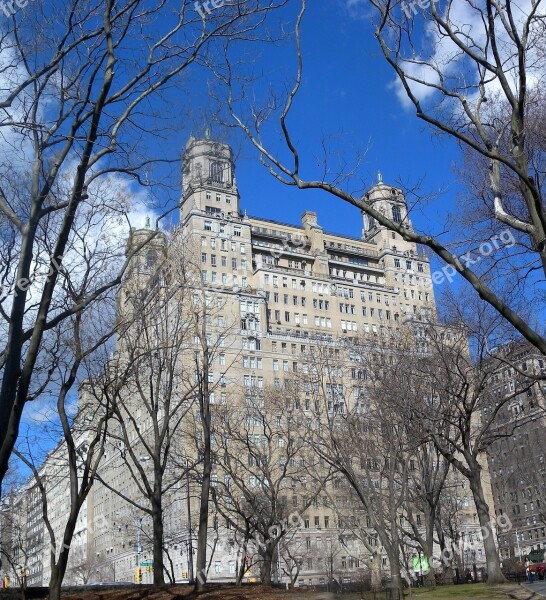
x: 538, y: 587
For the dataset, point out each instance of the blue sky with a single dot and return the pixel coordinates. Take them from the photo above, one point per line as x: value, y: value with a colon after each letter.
x: 347, y: 97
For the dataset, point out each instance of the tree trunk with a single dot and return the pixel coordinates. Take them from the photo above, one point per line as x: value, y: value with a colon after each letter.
x: 58, y: 572
x: 376, y: 571
x: 265, y: 567
x: 201, y: 576
x: 157, y: 523
x: 429, y: 576
x: 204, y: 407
x: 396, y: 577
x: 494, y: 572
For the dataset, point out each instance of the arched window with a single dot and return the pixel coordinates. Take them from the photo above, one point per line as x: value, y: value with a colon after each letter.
x: 217, y: 171
x: 396, y: 214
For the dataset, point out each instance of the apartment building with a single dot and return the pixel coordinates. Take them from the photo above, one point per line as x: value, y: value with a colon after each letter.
x: 517, y: 460
x: 279, y: 292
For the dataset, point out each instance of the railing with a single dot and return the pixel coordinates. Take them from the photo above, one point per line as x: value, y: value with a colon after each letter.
x: 289, y: 270
x: 280, y: 249
x: 277, y: 233
x: 352, y: 249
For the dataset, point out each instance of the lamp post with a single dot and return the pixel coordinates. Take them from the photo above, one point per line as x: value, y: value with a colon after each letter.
x: 519, y: 547
x: 138, y: 525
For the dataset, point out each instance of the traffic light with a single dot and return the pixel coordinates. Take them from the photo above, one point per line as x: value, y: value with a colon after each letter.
x: 138, y: 574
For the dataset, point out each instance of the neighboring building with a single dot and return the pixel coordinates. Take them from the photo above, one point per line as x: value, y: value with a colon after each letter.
x: 35, y: 535
x: 283, y: 288
x: 517, y: 460
x: 14, y: 551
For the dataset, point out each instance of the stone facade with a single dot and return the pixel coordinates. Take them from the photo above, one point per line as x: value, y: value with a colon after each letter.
x: 283, y: 288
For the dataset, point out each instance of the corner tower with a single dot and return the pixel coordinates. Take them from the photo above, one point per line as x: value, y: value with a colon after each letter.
x: 209, y: 185
x: 389, y: 201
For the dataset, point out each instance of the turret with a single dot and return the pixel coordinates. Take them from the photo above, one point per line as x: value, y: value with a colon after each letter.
x: 389, y: 201
x: 208, y: 173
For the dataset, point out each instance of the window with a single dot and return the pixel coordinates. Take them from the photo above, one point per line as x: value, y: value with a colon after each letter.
x: 397, y: 263
x: 237, y: 232
x: 208, y: 225
x: 217, y: 172
x: 396, y: 214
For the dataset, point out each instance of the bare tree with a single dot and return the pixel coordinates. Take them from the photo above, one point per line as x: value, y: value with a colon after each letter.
x: 157, y: 381
x: 428, y: 471
x: 83, y: 568
x: 81, y: 449
x: 81, y: 97
x: 450, y: 393
x: 361, y: 438
x: 291, y: 555
x: 264, y: 457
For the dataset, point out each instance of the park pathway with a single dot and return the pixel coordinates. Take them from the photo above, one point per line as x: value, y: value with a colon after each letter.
x: 538, y: 587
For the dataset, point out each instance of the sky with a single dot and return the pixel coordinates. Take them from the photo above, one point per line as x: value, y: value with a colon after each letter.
x: 348, y: 99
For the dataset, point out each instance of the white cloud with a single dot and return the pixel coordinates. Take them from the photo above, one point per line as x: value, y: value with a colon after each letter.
x: 433, y: 52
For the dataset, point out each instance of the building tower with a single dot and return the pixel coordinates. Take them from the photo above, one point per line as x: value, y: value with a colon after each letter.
x: 403, y: 264
x: 389, y: 201
x: 209, y: 183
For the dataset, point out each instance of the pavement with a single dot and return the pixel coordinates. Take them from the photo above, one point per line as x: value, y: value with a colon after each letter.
x: 538, y: 587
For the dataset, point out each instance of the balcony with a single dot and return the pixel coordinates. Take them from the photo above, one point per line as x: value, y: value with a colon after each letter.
x: 286, y: 248
x: 351, y: 249
x: 279, y: 269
